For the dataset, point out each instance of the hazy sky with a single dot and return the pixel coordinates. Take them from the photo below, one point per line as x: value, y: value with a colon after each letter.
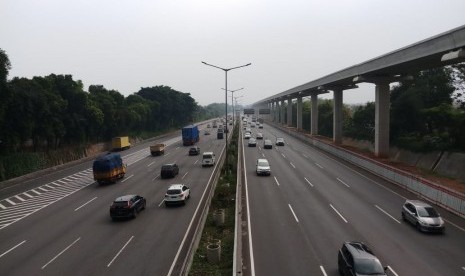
x: 128, y: 44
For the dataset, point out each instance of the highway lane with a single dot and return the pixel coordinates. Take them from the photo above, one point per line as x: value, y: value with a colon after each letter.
x: 332, y: 203
x: 75, y: 234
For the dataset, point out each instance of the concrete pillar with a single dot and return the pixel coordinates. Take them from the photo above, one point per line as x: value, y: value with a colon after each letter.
x: 289, y: 112
x: 299, y: 113
x: 314, y: 115
x: 282, y: 121
x: 382, y: 120
x: 337, y: 116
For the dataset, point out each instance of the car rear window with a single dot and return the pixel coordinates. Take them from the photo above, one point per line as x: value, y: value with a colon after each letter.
x: 166, y: 167
x: 263, y: 164
x: 120, y: 203
x: 173, y: 192
x: 368, y: 266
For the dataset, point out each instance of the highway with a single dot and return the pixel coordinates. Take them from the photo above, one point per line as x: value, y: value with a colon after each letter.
x: 301, y: 214
x: 59, y: 224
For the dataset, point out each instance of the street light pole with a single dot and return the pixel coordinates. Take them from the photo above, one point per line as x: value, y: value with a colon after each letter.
x: 232, y: 96
x: 226, y: 100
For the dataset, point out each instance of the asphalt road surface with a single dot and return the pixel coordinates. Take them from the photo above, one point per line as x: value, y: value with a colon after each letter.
x: 312, y: 203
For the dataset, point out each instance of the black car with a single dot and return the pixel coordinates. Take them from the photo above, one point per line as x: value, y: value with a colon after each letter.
x: 355, y: 258
x: 127, y: 206
x: 169, y: 170
x: 194, y: 151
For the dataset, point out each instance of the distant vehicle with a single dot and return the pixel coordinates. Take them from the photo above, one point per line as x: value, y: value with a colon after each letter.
x: 177, y: 194
x: 423, y: 216
x: 127, y: 206
x: 279, y: 141
x: 208, y: 126
x: 268, y: 144
x: 219, y: 135
x: 247, y: 135
x: 194, y: 151
x: 252, y: 125
x: 169, y: 170
x: 260, y: 126
x: 120, y: 143
x: 260, y: 120
x: 263, y: 167
x: 252, y: 142
x: 248, y: 129
x: 207, y: 132
x: 208, y: 159
x: 355, y: 258
x: 259, y: 136
x: 190, y: 135
x: 157, y: 149
x: 108, y: 168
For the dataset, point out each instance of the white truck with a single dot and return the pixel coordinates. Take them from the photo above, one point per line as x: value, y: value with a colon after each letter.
x: 208, y: 159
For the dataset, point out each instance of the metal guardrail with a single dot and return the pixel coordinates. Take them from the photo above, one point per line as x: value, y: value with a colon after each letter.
x: 444, y: 197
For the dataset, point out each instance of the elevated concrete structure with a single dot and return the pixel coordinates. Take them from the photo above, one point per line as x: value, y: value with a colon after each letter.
x: 444, y: 49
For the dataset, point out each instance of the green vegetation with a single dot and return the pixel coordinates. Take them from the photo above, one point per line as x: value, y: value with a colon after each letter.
x: 224, y: 198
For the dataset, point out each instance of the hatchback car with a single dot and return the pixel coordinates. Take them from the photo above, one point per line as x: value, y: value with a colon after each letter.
x: 169, y: 170
x: 194, y: 151
x: 263, y: 167
x: 177, y: 194
x: 268, y: 144
x: 259, y: 135
x: 279, y: 141
x: 252, y: 142
x: 127, y: 206
x: 423, y: 216
x: 355, y: 258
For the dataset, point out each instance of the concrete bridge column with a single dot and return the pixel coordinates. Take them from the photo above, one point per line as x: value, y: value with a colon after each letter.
x: 281, y: 120
x: 337, y: 116
x: 382, y: 119
x: 314, y: 115
x: 299, y: 113
x: 289, y: 112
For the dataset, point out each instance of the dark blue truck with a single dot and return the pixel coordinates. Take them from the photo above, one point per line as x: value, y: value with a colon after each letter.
x: 190, y: 135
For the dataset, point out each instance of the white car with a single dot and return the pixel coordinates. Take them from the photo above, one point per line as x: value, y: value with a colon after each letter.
x: 208, y: 159
x: 252, y: 142
x: 177, y: 194
x: 263, y: 167
x: 247, y: 135
x: 259, y: 136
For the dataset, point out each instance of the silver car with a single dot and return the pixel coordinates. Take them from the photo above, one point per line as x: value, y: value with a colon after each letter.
x: 423, y: 216
x: 263, y: 167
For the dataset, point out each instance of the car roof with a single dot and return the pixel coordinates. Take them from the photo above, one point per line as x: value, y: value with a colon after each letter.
x: 359, y: 250
x: 267, y: 141
x: 176, y: 186
x: 208, y: 152
x: 418, y: 203
x: 124, y: 198
x: 262, y: 160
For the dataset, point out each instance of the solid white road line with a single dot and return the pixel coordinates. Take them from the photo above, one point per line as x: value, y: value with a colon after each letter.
x: 85, y: 204
x: 392, y: 270
x: 292, y: 165
x: 276, y: 180
x: 19, y: 198
x: 296, y: 219
x: 11, y: 202
x: 323, y: 270
x: 458, y: 227
x: 63, y: 251
x: 11, y: 249
x: 321, y: 167
x: 121, y: 250
x: 338, y: 213
x: 127, y: 178
x: 161, y: 202
x: 379, y: 208
x: 309, y: 183
x: 249, y: 228
x: 184, y: 175
x: 343, y: 182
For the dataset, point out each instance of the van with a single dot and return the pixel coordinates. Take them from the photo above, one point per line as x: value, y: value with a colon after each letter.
x: 208, y: 159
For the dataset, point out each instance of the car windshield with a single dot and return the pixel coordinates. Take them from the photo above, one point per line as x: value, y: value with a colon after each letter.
x: 173, y: 192
x: 368, y: 266
x: 263, y: 163
x: 427, y: 212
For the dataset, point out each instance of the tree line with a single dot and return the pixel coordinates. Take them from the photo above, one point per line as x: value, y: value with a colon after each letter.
x: 55, y: 110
